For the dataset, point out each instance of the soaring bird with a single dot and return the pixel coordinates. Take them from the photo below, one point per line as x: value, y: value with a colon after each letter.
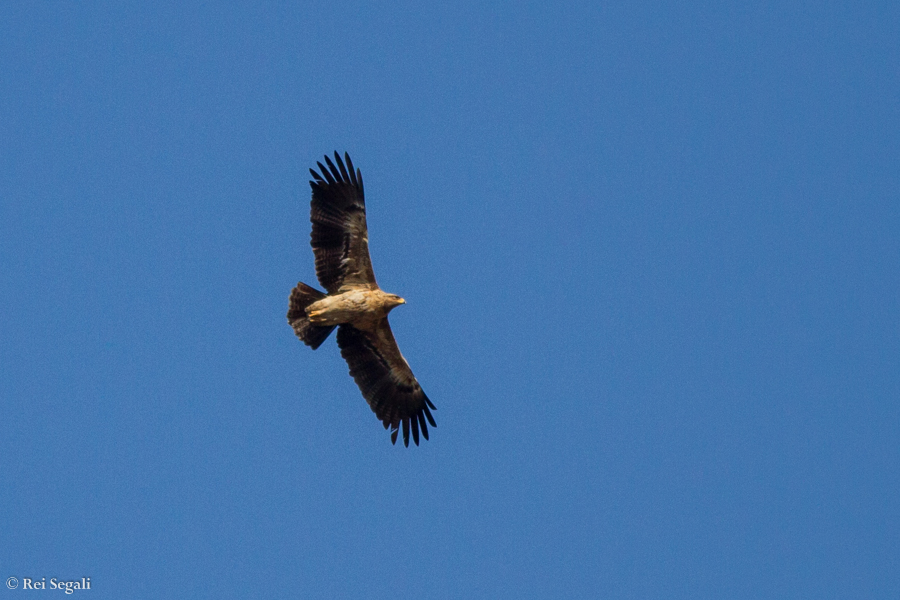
x: 355, y: 304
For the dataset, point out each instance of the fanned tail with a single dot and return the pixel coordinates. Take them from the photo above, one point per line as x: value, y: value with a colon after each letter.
x: 311, y: 335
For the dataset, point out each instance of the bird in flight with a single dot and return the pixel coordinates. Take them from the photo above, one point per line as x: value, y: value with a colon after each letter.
x: 355, y: 304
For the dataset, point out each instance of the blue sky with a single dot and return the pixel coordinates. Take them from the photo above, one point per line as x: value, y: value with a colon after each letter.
x: 651, y: 260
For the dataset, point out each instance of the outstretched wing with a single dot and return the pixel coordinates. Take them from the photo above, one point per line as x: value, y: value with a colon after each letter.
x: 339, y: 236
x: 385, y: 379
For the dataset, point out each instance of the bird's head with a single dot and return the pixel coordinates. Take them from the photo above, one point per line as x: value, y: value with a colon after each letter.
x: 393, y: 301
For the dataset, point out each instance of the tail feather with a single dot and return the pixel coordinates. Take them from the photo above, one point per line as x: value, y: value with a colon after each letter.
x: 311, y: 335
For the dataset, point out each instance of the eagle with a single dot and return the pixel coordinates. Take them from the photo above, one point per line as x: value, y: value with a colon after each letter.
x: 355, y: 304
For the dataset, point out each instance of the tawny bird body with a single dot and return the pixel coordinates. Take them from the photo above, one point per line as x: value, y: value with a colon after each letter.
x: 361, y: 308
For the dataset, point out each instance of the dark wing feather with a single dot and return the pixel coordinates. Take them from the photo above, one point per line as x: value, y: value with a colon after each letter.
x: 339, y: 237
x: 386, y: 381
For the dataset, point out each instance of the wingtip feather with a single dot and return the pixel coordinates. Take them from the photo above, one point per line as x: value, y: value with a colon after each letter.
x: 428, y: 416
x: 422, y: 424
x: 414, y: 424
x: 334, y: 171
x: 406, y: 432
x: 340, y: 164
x: 325, y: 173
x: 352, y: 173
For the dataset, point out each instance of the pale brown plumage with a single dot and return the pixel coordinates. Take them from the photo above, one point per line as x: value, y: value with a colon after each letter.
x: 355, y: 304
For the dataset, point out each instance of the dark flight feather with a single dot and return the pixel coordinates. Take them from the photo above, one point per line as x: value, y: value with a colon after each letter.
x: 386, y: 381
x: 339, y: 234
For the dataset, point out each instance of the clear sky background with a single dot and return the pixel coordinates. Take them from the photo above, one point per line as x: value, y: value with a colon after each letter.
x: 651, y: 254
